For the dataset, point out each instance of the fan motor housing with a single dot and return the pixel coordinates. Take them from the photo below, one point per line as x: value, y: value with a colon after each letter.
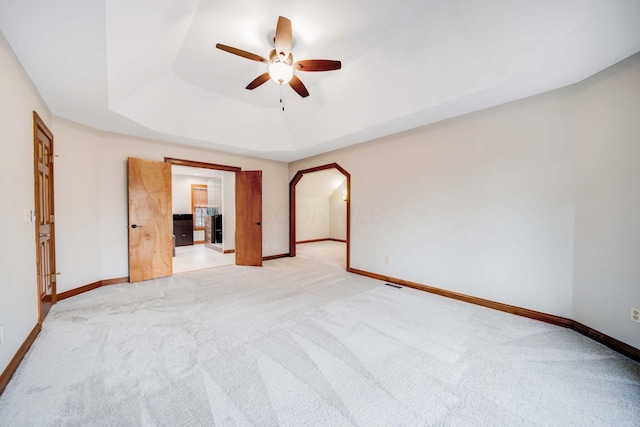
x: 274, y: 57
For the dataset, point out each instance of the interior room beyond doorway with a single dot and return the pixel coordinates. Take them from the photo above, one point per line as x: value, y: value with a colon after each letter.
x: 203, y: 207
x: 320, y: 202
x: 199, y: 257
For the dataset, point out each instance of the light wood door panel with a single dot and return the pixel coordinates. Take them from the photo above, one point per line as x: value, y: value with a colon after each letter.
x: 150, y: 220
x: 249, y: 218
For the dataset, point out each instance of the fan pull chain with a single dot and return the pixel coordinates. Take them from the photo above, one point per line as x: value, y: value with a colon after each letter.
x: 282, y: 96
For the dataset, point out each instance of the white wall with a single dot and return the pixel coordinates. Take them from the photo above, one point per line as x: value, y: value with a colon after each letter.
x: 338, y: 213
x: 607, y: 244
x: 214, y: 192
x: 112, y: 150
x: 312, y: 216
x: 229, y: 211
x: 181, y: 192
x: 18, y: 288
x: 214, y: 199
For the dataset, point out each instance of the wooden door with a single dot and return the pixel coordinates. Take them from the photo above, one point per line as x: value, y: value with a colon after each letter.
x: 150, y: 220
x: 45, y: 230
x: 249, y: 218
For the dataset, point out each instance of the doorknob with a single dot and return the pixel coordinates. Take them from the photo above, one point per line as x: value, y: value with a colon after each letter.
x: 257, y: 223
x: 135, y: 226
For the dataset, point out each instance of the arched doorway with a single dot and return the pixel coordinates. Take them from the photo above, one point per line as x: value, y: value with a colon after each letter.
x: 292, y: 207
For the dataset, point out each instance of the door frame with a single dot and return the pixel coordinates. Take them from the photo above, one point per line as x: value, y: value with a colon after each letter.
x: 203, y: 165
x: 39, y: 125
x: 292, y: 206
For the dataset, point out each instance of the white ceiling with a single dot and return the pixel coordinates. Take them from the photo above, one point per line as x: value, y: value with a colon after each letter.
x: 150, y: 67
x: 191, y: 171
x: 319, y: 184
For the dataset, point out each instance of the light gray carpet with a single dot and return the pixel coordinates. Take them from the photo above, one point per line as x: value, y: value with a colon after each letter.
x: 300, y: 342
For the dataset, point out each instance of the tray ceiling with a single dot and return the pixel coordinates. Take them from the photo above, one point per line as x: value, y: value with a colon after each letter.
x: 149, y: 68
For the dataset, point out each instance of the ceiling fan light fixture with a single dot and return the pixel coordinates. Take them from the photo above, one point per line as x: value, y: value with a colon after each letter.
x: 280, y: 72
x: 280, y: 62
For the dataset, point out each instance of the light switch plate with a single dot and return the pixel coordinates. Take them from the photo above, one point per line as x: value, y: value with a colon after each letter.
x: 29, y: 215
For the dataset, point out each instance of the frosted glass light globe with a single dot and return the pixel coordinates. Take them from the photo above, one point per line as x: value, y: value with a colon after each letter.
x: 280, y: 72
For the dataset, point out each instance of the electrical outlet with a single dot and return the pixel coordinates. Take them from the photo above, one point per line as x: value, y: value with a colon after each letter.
x: 635, y: 314
x: 386, y: 260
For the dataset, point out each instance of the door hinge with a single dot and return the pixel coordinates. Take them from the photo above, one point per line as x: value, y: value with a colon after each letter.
x: 52, y: 218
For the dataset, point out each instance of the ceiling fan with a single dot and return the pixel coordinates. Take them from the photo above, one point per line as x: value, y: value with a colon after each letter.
x: 281, y: 65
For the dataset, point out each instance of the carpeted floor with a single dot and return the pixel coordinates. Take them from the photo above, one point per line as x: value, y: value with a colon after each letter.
x: 300, y: 342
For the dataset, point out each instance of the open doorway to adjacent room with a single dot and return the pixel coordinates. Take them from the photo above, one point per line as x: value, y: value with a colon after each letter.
x: 320, y: 213
x: 203, y: 206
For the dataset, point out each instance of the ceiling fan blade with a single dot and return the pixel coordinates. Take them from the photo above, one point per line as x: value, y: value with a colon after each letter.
x: 283, y: 37
x: 242, y: 53
x: 297, y: 85
x: 261, y: 79
x: 317, y: 65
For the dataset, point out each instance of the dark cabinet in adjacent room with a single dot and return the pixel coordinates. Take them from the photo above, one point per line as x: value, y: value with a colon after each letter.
x: 213, y: 229
x: 183, y: 229
x: 217, y: 229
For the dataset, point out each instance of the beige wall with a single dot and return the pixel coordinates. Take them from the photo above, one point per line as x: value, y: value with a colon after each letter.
x: 107, y: 213
x: 607, y: 244
x: 78, y: 213
x: 497, y: 203
x: 480, y: 204
x: 18, y: 289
